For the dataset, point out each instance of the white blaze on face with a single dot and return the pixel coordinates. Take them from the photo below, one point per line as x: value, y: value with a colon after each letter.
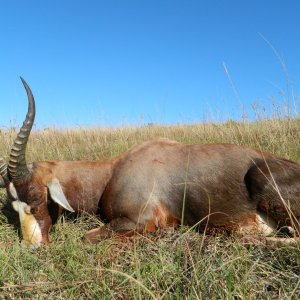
x: 31, y: 231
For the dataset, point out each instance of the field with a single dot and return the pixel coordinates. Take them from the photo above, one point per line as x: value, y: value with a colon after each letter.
x: 169, y: 264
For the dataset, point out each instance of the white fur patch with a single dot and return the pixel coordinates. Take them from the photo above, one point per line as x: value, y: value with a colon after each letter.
x: 31, y: 231
x: 266, y: 225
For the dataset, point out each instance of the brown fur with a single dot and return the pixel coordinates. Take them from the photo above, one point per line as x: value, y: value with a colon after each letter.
x: 148, y: 187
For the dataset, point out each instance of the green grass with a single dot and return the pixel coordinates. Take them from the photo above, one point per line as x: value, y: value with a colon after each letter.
x: 165, y: 265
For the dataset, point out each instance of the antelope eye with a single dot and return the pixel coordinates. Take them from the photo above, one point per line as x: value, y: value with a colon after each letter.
x: 33, y: 210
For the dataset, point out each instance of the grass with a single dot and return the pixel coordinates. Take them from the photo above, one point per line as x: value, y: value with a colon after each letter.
x: 165, y: 265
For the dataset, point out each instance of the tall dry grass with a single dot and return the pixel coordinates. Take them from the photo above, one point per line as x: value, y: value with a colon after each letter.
x: 277, y: 136
x: 164, y: 265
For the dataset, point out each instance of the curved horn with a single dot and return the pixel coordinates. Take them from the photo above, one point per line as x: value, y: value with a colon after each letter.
x: 3, y: 172
x: 3, y: 167
x: 17, y: 167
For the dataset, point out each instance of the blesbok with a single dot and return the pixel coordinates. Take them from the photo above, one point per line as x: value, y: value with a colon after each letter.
x: 156, y: 184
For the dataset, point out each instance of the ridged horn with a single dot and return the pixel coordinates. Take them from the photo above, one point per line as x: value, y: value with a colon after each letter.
x: 3, y: 167
x: 17, y: 167
x: 3, y: 172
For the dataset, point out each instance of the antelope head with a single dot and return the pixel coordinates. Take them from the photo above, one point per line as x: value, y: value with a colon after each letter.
x: 31, y: 189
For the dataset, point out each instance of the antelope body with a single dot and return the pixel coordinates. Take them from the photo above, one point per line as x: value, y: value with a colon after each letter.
x: 156, y: 184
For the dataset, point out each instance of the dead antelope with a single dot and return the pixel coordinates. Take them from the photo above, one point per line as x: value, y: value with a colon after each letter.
x: 156, y: 184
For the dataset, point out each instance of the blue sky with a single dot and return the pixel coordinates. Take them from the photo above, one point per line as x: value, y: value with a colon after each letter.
x: 127, y: 62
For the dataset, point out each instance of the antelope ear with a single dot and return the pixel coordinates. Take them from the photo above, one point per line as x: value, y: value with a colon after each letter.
x: 58, y: 195
x: 2, y: 183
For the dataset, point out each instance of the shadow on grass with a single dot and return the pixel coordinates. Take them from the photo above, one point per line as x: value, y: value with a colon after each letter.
x: 10, y: 215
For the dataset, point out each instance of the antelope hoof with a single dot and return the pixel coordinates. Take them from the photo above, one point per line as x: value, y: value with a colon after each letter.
x: 95, y: 235
x: 269, y: 242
